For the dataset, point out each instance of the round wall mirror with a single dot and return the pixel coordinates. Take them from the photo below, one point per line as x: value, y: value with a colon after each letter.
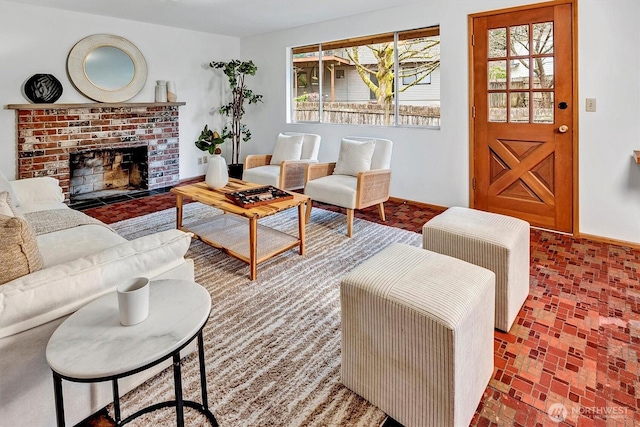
x: 107, y: 68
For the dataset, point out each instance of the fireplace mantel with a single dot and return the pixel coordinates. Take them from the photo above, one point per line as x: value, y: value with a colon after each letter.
x: 48, y: 134
x: 93, y: 105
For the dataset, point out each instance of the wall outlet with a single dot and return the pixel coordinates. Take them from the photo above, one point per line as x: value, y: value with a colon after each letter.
x: 199, y: 160
x: 590, y: 105
x: 205, y: 159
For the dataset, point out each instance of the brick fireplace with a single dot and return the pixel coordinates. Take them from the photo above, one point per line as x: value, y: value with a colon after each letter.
x: 48, y: 134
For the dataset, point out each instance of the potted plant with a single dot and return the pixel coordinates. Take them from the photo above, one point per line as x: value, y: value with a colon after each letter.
x: 217, y: 174
x: 236, y: 71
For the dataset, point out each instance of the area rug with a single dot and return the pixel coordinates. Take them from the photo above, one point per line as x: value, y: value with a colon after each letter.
x: 272, y: 345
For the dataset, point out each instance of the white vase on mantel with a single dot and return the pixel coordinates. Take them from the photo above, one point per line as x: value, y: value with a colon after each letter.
x: 217, y: 174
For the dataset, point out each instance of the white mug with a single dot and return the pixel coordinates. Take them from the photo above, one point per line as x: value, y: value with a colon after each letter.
x: 133, y: 301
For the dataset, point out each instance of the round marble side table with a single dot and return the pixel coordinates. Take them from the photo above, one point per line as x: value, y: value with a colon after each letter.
x: 92, y: 346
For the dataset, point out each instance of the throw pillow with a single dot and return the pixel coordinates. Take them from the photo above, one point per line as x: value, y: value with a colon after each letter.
x: 288, y: 147
x: 6, y: 207
x: 354, y: 157
x: 19, y: 253
x: 6, y: 186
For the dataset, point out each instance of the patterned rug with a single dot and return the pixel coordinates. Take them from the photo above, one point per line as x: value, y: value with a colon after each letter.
x: 272, y: 346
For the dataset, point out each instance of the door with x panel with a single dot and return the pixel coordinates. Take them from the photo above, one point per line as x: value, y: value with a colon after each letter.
x: 523, y: 115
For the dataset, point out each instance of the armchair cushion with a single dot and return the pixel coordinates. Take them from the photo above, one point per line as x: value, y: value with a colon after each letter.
x: 265, y: 175
x: 288, y: 147
x: 339, y: 190
x: 19, y: 254
x: 354, y: 157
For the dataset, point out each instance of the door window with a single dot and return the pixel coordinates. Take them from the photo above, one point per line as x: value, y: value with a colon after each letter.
x: 520, y: 73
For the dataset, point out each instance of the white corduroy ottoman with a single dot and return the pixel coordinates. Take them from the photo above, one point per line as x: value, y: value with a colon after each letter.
x: 499, y: 243
x: 417, y: 335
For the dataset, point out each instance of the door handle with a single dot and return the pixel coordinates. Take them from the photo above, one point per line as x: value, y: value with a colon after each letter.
x: 563, y: 128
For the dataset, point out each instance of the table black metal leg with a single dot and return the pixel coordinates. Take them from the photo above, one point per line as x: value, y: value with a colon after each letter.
x: 116, y: 400
x: 177, y: 381
x: 203, y: 374
x: 57, y: 390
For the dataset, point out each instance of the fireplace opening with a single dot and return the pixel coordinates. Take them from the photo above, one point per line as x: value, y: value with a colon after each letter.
x: 107, y: 173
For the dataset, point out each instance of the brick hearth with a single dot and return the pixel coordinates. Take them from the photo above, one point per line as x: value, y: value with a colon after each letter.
x: 49, y: 133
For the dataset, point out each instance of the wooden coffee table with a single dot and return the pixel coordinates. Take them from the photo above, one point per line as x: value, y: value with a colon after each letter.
x: 239, y: 234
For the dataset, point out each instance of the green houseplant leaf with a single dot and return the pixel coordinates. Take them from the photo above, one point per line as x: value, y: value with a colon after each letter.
x: 209, y: 140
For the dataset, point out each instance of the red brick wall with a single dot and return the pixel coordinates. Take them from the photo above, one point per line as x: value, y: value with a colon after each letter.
x: 46, y: 137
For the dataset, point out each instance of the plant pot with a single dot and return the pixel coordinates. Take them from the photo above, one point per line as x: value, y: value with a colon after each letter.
x: 235, y: 170
x: 217, y: 175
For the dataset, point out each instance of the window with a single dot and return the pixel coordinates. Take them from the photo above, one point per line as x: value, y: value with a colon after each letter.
x: 354, y: 81
x: 414, y: 77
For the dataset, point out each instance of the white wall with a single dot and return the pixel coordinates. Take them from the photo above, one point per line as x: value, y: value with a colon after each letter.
x: 432, y: 166
x: 37, y: 40
x: 609, y: 61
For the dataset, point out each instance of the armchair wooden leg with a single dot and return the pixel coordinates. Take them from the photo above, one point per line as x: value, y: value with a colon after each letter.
x: 308, y: 213
x: 381, y: 211
x: 349, y: 222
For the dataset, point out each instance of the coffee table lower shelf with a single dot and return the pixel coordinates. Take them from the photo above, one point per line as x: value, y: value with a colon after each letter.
x: 231, y: 234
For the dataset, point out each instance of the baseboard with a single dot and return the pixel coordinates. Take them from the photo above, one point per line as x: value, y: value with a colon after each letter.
x: 418, y: 204
x: 608, y: 240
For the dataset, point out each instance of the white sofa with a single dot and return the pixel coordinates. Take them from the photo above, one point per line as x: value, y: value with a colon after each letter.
x: 81, y: 263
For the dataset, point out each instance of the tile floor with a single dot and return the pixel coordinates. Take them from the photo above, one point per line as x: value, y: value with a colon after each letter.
x: 574, y: 349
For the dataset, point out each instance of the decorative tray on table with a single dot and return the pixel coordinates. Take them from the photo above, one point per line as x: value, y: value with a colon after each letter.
x: 258, y: 196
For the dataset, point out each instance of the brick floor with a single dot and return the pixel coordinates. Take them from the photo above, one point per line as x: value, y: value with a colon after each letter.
x: 575, y: 342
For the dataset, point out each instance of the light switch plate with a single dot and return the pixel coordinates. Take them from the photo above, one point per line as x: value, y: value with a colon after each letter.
x: 590, y: 105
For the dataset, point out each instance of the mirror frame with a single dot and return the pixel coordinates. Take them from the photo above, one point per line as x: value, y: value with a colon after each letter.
x: 78, y: 76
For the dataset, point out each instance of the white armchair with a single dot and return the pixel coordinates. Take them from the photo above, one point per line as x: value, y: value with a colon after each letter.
x: 285, y: 168
x: 360, y: 178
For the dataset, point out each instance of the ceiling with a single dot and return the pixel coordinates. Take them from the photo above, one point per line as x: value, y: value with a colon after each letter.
x: 238, y: 18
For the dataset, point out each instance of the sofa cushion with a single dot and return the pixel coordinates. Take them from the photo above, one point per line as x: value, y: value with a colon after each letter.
x: 288, y: 147
x: 38, y: 194
x: 6, y: 205
x: 5, y: 185
x: 19, y: 254
x: 75, y: 242
x: 56, y: 291
x: 354, y: 157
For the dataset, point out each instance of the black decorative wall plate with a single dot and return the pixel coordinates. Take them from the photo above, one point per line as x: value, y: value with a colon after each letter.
x: 43, y: 89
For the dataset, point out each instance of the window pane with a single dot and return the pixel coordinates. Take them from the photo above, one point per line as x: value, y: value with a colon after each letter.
x: 498, y: 107
x: 519, y: 40
x: 543, y: 107
x: 543, y: 38
x: 498, y: 43
x: 519, y: 108
x: 543, y: 73
x: 497, y: 75
x: 519, y: 74
x: 419, y: 72
x: 365, y: 95
x: 304, y: 104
